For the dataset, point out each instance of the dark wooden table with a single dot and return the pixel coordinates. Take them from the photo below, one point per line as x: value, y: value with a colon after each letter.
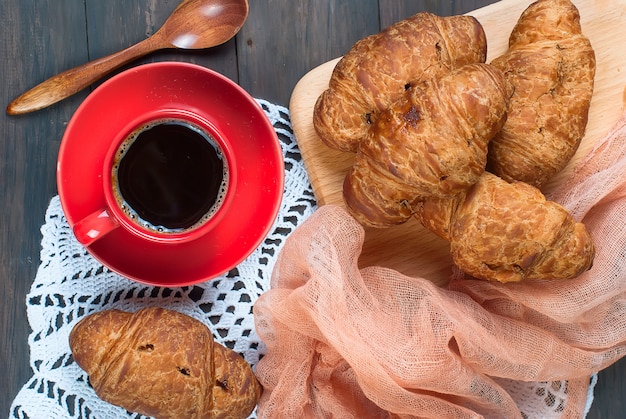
x: 279, y: 43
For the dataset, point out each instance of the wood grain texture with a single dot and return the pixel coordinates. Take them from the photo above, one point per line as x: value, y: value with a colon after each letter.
x: 137, y: 20
x: 32, y: 50
x: 281, y: 41
x: 392, y: 11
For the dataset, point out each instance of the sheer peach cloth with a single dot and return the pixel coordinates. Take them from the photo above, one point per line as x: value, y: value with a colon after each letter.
x: 371, y: 343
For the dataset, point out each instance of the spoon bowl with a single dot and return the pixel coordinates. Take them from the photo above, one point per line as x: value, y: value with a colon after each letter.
x: 194, y: 24
x: 199, y: 24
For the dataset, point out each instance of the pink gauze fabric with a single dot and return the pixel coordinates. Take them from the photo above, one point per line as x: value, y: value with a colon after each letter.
x: 371, y: 342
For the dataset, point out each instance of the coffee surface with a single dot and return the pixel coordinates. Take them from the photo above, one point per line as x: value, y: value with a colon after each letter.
x: 170, y: 175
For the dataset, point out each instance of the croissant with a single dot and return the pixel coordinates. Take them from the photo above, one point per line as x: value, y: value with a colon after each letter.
x: 551, y: 66
x: 509, y: 232
x: 379, y: 68
x: 432, y: 142
x: 164, y: 364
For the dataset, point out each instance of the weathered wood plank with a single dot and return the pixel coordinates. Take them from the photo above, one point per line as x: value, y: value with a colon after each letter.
x: 282, y: 40
x: 33, y: 48
x: 113, y: 25
x: 394, y: 10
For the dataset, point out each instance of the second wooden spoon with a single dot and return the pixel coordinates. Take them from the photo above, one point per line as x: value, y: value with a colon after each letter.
x: 194, y: 24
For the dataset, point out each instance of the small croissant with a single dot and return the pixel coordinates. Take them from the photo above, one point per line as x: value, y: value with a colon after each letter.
x: 551, y: 66
x: 164, y: 364
x: 431, y: 142
x: 509, y: 232
x: 379, y: 68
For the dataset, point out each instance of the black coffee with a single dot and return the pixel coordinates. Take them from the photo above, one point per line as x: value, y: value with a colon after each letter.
x: 170, y: 174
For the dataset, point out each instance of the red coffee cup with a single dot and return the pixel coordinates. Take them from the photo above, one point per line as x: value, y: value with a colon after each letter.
x: 149, y: 242
x: 179, y: 172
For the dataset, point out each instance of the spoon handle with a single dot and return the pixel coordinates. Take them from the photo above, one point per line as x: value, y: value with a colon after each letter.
x: 76, y: 79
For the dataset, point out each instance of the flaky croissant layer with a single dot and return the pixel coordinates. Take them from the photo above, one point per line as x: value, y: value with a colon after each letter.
x: 378, y: 69
x: 551, y: 66
x: 509, y: 232
x: 431, y: 142
x: 164, y: 364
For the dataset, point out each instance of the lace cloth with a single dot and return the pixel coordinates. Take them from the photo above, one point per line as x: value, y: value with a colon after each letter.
x: 70, y: 284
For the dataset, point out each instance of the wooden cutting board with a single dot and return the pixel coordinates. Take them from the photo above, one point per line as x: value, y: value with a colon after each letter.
x: 409, y: 248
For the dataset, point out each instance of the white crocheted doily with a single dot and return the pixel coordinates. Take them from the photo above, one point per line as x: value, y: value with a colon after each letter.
x: 70, y: 284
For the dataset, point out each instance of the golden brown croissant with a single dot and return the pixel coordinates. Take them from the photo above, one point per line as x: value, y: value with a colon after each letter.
x: 432, y: 142
x: 508, y: 232
x: 551, y: 66
x: 378, y: 69
x: 163, y: 363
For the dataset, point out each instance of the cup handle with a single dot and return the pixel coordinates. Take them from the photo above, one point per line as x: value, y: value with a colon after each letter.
x: 94, y: 227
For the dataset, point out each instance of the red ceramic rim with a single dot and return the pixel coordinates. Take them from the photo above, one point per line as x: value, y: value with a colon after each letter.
x: 234, y: 115
x: 174, y: 237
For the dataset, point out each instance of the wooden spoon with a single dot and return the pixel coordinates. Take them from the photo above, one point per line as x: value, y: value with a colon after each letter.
x: 193, y: 24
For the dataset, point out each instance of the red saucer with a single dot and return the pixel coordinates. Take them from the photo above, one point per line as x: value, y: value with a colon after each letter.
x: 237, y: 117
